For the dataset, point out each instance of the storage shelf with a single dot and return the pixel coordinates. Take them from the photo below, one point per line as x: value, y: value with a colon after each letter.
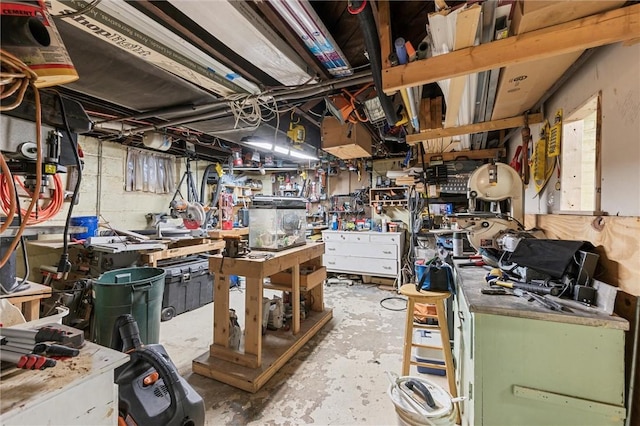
x: 391, y: 203
x: 376, y: 196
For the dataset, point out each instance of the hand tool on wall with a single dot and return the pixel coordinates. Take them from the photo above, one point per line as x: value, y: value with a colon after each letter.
x: 526, y: 138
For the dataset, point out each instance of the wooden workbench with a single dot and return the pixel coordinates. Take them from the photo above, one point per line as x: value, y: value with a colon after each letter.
x: 76, y: 391
x: 182, y: 248
x: 262, y: 356
x: 29, y: 300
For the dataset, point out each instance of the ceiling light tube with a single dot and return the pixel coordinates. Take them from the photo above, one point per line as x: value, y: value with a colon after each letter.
x: 267, y: 146
x: 306, y: 23
x: 302, y: 155
x: 281, y: 150
x: 334, y: 60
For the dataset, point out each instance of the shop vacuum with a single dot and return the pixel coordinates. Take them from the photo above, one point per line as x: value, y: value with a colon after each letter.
x: 151, y: 392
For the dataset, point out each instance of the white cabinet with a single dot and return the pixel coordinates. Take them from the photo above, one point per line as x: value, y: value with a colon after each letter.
x: 364, y: 253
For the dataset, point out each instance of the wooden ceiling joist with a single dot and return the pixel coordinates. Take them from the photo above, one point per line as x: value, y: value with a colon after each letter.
x: 593, y: 31
x: 504, y: 123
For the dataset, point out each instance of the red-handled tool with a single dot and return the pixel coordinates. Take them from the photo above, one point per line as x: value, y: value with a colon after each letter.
x: 27, y: 361
x: 473, y: 263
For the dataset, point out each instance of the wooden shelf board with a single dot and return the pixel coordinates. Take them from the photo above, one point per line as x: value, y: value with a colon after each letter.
x: 277, y: 348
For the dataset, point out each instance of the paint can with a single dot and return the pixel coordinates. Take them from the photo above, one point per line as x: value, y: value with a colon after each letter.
x: 29, y: 33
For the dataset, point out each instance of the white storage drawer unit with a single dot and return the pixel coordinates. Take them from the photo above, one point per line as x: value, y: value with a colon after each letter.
x: 364, y: 253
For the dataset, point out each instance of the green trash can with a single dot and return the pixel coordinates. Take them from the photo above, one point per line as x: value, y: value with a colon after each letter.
x: 135, y: 291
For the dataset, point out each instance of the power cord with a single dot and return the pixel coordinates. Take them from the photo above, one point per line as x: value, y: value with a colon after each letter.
x: 64, y: 265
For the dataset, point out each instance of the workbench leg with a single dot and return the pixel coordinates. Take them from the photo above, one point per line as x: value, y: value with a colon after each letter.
x: 317, y: 298
x: 221, y: 310
x: 253, y: 318
x: 295, y: 298
x: 408, y: 337
x: 31, y: 309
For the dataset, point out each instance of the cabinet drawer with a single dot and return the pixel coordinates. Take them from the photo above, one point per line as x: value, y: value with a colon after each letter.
x: 352, y: 237
x: 385, y: 239
x: 361, y: 265
x: 378, y: 251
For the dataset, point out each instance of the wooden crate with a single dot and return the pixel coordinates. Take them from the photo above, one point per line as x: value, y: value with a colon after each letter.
x: 345, y: 141
x: 282, y: 280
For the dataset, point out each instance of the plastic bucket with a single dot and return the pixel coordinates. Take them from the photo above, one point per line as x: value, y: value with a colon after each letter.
x: 443, y: 414
x: 90, y: 222
x: 135, y: 291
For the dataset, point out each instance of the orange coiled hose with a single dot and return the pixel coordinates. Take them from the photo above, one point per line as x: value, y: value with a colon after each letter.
x: 12, y: 204
x: 43, y: 213
x: 17, y: 76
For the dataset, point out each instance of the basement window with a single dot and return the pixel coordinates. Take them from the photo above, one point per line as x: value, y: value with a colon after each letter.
x: 580, y: 168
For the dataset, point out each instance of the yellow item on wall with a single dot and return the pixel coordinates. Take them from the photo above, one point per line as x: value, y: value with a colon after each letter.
x: 555, y: 135
x: 541, y: 163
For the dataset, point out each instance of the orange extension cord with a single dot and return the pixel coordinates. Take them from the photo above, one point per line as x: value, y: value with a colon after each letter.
x: 43, y: 213
x: 16, y: 76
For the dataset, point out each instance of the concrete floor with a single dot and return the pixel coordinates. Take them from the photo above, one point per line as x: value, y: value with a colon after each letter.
x: 338, y: 378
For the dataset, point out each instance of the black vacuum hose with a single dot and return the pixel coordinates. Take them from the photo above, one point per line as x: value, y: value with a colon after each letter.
x: 372, y: 43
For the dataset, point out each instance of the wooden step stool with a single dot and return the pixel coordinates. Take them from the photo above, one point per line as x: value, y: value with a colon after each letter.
x: 431, y: 298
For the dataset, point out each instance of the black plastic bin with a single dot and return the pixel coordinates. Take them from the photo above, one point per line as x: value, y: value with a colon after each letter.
x: 188, y: 286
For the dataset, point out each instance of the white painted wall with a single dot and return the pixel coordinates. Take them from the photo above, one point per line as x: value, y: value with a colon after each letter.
x: 615, y: 71
x: 123, y: 210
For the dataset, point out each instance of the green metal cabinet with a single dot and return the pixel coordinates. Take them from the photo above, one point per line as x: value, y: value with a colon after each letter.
x: 520, y: 364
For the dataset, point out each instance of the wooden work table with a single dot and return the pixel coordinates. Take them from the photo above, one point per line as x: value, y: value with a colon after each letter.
x: 261, y: 356
x: 29, y: 300
x: 76, y: 391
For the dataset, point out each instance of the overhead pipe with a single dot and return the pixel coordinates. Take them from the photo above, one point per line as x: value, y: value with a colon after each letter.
x: 372, y: 44
x: 220, y: 102
x: 220, y: 108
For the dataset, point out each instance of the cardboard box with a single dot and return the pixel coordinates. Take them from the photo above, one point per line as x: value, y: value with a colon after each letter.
x: 533, y: 15
x: 345, y: 141
x: 522, y: 86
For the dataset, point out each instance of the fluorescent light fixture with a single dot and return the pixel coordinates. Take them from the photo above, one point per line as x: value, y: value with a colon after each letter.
x: 302, y: 155
x: 236, y: 25
x: 281, y: 150
x: 307, y: 24
x: 267, y: 146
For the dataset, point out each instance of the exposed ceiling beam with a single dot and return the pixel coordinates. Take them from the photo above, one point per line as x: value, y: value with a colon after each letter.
x: 384, y: 30
x: 504, y: 123
x: 294, y: 41
x: 597, y: 30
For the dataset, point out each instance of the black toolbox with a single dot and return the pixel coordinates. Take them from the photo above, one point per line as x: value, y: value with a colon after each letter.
x: 188, y: 285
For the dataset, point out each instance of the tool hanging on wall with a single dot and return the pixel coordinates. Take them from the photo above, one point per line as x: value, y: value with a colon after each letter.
x: 526, y: 139
x: 555, y: 135
x: 296, y: 131
x: 541, y: 163
x: 190, y: 210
